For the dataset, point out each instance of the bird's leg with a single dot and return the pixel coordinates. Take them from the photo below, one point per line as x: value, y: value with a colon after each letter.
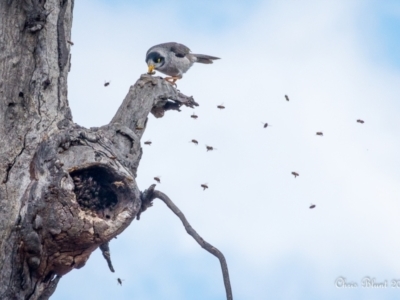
x: 172, y: 80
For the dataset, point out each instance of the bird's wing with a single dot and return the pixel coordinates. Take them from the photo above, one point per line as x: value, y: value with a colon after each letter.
x: 179, y: 49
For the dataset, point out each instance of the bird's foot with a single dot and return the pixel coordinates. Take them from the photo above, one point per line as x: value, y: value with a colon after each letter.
x: 172, y: 80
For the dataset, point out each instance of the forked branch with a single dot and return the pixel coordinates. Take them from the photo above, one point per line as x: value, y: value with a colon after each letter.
x: 150, y: 194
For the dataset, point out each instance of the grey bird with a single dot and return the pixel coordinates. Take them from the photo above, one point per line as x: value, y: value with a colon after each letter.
x: 173, y: 59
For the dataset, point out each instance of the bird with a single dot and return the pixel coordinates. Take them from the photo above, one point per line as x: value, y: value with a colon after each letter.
x: 157, y: 178
x: 194, y: 142
x: 287, y: 97
x: 194, y: 116
x: 147, y: 142
x: 320, y: 133
x: 312, y: 206
x: 265, y: 125
x: 360, y: 121
x: 295, y: 174
x: 174, y: 59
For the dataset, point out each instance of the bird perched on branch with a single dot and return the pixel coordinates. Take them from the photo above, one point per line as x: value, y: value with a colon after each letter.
x: 173, y: 59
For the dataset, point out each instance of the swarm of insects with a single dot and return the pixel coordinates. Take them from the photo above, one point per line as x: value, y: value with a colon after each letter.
x: 221, y: 106
x: 157, y: 178
x: 147, y: 142
x: 92, y: 192
x: 204, y: 186
x: 194, y: 142
x: 312, y: 206
x: 320, y: 133
x: 71, y: 43
x: 210, y: 148
x: 295, y: 174
x: 194, y: 116
x: 107, y: 83
x: 287, y: 97
x: 360, y: 121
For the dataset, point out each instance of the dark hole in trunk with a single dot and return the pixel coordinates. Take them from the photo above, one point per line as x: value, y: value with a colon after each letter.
x: 93, y: 188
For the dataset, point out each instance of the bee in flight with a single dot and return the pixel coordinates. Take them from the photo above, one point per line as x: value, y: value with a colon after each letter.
x: 210, y: 148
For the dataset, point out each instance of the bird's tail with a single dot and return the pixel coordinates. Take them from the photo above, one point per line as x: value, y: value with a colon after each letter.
x: 204, y: 59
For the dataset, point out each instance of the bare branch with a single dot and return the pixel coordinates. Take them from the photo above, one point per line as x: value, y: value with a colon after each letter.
x: 149, y: 94
x: 147, y: 198
x: 150, y: 194
x: 105, y: 249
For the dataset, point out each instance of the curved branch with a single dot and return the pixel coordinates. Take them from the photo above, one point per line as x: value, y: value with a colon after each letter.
x: 150, y: 194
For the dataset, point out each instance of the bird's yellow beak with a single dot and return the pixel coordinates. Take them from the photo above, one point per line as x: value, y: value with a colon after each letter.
x: 151, y: 69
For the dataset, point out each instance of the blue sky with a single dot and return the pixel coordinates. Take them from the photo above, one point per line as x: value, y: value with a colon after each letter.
x: 200, y: 16
x: 338, y: 61
x: 380, y: 22
x: 389, y: 28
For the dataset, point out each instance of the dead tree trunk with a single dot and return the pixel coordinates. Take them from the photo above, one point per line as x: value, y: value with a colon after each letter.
x: 64, y: 189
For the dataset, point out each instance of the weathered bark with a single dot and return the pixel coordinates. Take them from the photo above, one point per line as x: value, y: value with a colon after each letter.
x: 64, y: 190
x: 33, y: 102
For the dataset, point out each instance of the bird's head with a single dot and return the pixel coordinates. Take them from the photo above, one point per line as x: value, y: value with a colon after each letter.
x: 154, y: 61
